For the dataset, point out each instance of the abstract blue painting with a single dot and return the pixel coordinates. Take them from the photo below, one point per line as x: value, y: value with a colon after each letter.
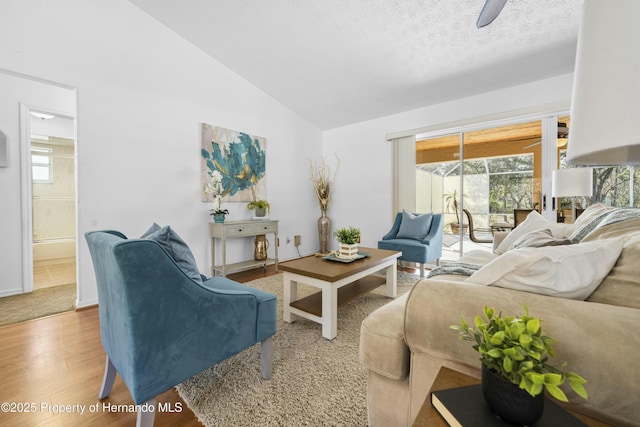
x: 239, y: 157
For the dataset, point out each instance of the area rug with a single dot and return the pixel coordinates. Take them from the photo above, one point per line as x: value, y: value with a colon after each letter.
x: 36, y: 304
x: 315, y: 382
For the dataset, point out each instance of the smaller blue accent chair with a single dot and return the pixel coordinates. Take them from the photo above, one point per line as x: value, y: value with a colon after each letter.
x: 422, y: 247
x: 159, y: 327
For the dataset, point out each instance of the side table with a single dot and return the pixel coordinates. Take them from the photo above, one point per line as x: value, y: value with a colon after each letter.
x: 448, y: 378
x: 236, y: 229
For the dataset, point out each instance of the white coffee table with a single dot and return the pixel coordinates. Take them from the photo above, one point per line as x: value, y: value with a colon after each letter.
x: 339, y: 284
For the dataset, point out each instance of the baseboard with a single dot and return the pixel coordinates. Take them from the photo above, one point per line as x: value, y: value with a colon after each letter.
x: 10, y: 292
x: 85, y: 304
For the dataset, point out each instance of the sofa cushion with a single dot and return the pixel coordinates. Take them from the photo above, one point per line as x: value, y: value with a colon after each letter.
x: 621, y: 286
x: 414, y: 226
x: 412, y: 250
x: 537, y: 239
x: 572, y: 271
x: 382, y: 346
x: 533, y: 222
x: 169, y: 240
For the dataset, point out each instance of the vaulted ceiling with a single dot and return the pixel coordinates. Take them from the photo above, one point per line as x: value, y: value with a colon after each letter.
x: 337, y: 62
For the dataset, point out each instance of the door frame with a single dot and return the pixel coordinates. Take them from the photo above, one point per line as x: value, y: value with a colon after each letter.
x: 26, y: 184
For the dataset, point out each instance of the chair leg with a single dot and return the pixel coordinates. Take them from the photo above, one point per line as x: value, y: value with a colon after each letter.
x: 266, y: 357
x: 422, y: 270
x: 145, y: 417
x: 107, y: 381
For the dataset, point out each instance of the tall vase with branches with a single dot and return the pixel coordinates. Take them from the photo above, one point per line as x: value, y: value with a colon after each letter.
x: 322, y: 179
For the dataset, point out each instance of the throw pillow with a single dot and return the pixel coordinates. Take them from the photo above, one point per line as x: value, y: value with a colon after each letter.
x: 533, y: 222
x: 414, y: 226
x: 572, y: 271
x: 590, y: 213
x: 177, y: 249
x: 154, y: 227
x: 537, y: 239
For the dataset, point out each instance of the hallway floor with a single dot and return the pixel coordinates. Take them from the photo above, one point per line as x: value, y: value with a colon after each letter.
x: 46, y: 276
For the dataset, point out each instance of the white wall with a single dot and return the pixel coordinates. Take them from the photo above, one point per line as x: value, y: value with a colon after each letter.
x: 142, y: 93
x: 362, y: 195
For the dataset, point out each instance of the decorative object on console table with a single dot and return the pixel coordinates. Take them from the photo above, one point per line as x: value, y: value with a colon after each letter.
x: 322, y: 180
x: 515, y: 349
x: 260, y: 246
x: 219, y: 216
x: 348, y: 239
x: 261, y: 207
x: 215, y: 189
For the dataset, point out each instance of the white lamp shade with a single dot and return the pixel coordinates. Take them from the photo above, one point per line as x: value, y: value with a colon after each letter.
x: 575, y: 182
x: 605, y: 115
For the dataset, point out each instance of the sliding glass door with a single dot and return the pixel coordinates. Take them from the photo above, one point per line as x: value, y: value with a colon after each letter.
x: 479, y: 178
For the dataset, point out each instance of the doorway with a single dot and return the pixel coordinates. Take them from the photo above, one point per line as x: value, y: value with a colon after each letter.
x: 49, y: 213
x: 53, y: 200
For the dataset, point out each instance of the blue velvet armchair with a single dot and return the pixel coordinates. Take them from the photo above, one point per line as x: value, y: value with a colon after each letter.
x: 159, y: 327
x: 422, y: 246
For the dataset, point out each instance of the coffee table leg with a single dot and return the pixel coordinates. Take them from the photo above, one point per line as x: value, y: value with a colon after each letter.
x: 290, y: 294
x: 392, y: 280
x: 330, y: 312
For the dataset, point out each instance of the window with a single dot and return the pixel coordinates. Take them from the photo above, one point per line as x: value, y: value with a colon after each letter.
x: 616, y: 186
x: 41, y: 165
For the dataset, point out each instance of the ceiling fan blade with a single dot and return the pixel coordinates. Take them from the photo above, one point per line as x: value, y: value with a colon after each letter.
x: 532, y: 144
x: 489, y: 12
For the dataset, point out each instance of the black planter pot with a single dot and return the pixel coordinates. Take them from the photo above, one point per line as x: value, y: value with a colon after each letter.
x: 510, y: 402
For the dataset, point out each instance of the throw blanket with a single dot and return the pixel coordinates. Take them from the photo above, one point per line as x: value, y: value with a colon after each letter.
x: 456, y: 268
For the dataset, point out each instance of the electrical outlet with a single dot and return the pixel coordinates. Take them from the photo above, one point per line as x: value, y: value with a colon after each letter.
x: 296, y: 240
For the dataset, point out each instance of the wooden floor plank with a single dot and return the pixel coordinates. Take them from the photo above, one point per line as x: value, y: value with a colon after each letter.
x: 59, y: 360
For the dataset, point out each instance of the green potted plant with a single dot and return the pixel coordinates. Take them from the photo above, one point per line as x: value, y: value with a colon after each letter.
x: 348, y: 238
x: 219, y: 214
x: 261, y: 207
x: 514, y: 350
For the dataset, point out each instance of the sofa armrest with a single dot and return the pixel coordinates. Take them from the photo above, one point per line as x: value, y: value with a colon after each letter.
x: 596, y: 340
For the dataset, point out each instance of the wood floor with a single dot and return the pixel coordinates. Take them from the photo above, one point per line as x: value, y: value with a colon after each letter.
x: 59, y: 360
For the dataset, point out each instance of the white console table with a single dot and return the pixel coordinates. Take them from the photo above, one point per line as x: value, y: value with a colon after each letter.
x: 235, y: 229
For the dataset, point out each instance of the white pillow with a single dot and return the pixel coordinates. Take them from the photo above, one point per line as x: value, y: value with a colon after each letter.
x: 572, y: 271
x: 533, y: 222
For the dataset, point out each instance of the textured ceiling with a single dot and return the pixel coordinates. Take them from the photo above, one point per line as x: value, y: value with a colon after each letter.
x: 337, y: 62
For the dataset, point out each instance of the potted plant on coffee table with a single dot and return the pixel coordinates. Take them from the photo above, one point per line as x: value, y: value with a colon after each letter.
x: 514, y: 354
x: 348, y: 238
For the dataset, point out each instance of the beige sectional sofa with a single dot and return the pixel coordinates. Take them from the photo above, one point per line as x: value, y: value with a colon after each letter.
x: 404, y: 343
